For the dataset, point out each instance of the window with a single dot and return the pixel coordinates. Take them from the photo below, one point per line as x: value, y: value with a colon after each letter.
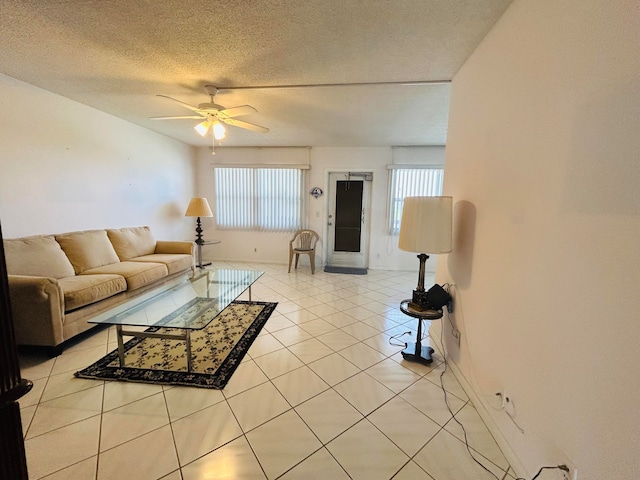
x: 265, y: 199
x: 411, y: 182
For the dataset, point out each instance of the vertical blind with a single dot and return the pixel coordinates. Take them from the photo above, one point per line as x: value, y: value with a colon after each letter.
x: 264, y: 199
x: 411, y: 182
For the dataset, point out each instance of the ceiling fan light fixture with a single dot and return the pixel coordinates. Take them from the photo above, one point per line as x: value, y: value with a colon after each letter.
x: 203, y: 127
x: 219, y: 131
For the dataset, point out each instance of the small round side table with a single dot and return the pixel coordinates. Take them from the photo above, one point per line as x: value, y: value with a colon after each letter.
x: 416, y: 352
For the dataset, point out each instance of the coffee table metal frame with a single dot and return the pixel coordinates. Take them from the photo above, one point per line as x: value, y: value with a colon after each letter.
x: 228, y: 284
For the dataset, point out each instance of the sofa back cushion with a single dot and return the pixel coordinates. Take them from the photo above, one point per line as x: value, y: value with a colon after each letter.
x: 39, y: 256
x: 132, y: 242
x: 88, y: 249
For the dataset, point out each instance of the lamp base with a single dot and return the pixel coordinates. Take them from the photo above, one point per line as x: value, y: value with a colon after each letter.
x: 416, y: 352
x: 419, y: 301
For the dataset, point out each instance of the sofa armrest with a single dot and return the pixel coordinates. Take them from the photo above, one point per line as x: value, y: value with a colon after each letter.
x: 37, y: 305
x: 164, y: 246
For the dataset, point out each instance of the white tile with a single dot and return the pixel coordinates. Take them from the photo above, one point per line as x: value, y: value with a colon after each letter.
x: 393, y: 375
x: 319, y: 466
x: 77, y: 360
x: 477, y: 434
x: 258, y: 405
x: 411, y: 471
x: 133, y: 420
x: 318, y: 327
x: 64, y: 383
x: 385, y: 344
x: 235, y: 460
x: 407, y: 427
x: 183, y: 401
x: 80, y: 441
x: 306, y: 301
x: 337, y: 340
x: 429, y: 399
x: 445, y: 457
x: 367, y: 454
x: 278, y: 452
x: 362, y: 355
x: 322, y: 310
x: 328, y: 415
x: 84, y: 470
x: 286, y: 307
x: 310, y: 350
x: 246, y: 376
x: 277, y: 323
x: 292, y: 335
x: 334, y: 368
x: 300, y: 385
x: 126, y: 461
x: 194, y: 435
x: 300, y: 316
x: 26, y: 415
x: 35, y: 394
x: 278, y: 363
x: 35, y: 365
x: 360, y: 330
x: 339, y: 319
x: 449, y: 381
x: 117, y: 394
x: 364, y: 393
x: 359, y: 312
x: 380, y: 323
x: 66, y: 410
x: 264, y: 344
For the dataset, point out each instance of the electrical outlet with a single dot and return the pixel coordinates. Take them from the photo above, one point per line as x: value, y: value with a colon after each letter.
x: 456, y: 334
x: 569, y: 472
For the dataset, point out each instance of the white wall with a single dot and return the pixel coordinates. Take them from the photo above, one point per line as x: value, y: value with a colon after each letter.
x: 273, y: 247
x: 65, y: 166
x: 543, y: 164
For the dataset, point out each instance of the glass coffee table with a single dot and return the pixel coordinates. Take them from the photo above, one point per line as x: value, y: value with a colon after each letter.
x: 183, y: 306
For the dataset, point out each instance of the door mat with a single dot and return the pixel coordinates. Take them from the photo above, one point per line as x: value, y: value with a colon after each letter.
x: 346, y: 270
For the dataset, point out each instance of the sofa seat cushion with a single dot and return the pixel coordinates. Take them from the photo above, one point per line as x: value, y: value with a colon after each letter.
x: 39, y: 256
x: 137, y: 274
x: 132, y: 242
x: 175, y: 262
x: 81, y: 290
x: 88, y: 249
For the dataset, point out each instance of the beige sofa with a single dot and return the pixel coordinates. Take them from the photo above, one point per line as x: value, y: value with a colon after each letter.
x: 58, y: 282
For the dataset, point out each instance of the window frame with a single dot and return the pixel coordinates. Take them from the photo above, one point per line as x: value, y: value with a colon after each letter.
x: 255, y: 202
x: 393, y: 200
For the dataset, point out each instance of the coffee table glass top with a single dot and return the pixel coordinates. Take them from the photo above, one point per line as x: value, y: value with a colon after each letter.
x: 189, y: 304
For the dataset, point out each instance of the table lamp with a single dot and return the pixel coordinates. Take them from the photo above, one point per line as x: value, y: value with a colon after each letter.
x: 198, y: 207
x: 425, y: 228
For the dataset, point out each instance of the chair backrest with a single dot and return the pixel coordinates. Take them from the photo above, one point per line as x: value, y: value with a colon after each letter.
x: 306, y: 239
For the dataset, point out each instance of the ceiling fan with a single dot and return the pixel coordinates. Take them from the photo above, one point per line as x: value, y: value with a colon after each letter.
x: 215, y: 115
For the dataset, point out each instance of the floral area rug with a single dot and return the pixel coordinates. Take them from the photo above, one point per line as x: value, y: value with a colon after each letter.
x: 216, y: 351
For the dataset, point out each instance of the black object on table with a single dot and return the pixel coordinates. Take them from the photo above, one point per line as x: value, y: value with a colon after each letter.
x: 416, y: 352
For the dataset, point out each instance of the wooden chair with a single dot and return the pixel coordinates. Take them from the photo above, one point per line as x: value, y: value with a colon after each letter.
x: 303, y: 241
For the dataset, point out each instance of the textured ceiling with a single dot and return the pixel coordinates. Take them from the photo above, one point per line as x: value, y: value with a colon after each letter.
x: 117, y: 55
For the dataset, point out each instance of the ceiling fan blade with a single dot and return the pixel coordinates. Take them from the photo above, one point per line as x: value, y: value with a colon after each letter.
x: 174, y: 118
x: 247, y: 125
x: 236, y: 111
x: 190, y: 107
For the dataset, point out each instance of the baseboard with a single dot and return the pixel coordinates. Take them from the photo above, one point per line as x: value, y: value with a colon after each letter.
x: 481, y: 408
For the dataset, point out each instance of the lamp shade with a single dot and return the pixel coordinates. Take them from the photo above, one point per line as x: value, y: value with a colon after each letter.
x: 198, y: 207
x: 426, y: 225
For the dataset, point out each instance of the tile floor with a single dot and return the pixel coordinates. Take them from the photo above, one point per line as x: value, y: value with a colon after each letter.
x: 323, y: 393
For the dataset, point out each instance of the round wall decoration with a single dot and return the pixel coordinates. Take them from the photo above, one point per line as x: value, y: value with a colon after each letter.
x: 316, y: 192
